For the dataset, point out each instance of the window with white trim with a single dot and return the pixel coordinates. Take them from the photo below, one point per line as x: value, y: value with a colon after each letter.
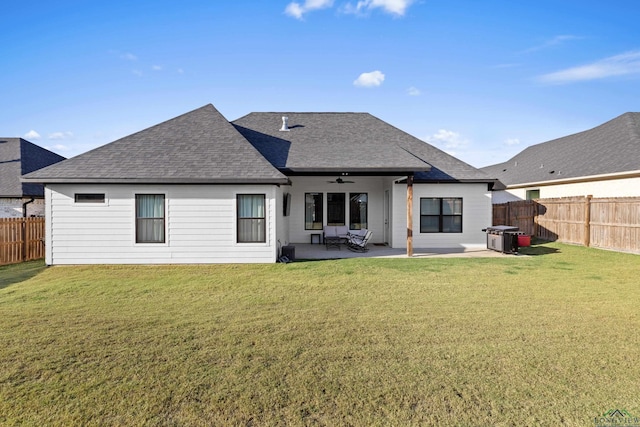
x: 150, y: 218
x: 251, y: 218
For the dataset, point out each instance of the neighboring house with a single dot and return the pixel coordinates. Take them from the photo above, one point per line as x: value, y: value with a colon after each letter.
x: 601, y: 162
x: 199, y: 189
x: 18, y: 157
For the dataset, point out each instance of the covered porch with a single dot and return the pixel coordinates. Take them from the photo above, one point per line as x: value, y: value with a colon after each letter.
x: 306, y: 251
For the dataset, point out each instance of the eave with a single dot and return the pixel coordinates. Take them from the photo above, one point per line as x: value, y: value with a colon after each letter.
x: 216, y: 181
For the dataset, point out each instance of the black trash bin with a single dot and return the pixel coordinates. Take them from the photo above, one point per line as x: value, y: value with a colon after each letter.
x: 502, y: 238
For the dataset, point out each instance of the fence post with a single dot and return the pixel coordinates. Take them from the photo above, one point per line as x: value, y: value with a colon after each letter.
x: 24, y: 239
x: 587, y: 221
x: 536, y: 212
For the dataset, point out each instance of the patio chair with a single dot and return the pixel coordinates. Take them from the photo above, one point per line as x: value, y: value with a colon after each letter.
x: 358, y: 243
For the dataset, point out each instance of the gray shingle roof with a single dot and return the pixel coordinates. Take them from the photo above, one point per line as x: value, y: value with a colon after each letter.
x: 613, y: 147
x: 349, y: 142
x: 203, y: 147
x: 197, y: 147
x: 18, y: 157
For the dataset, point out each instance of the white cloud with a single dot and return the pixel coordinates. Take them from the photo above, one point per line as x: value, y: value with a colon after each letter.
x: 511, y: 141
x: 506, y: 65
x: 129, y: 56
x: 156, y: 67
x: 555, y: 41
x: 180, y: 71
x: 32, y: 134
x: 374, y: 78
x: 449, y: 140
x: 394, y: 7
x: 60, y: 135
x: 60, y: 147
x: 413, y: 91
x: 297, y: 10
x: 137, y: 73
x: 618, y: 65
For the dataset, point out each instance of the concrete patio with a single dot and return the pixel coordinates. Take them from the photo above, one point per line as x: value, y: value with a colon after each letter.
x: 317, y: 252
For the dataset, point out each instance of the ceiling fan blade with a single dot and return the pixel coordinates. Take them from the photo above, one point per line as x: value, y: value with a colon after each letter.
x: 341, y: 181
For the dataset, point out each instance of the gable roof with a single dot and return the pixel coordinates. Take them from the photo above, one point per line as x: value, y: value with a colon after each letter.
x: 611, y: 148
x: 359, y: 143
x: 197, y: 147
x: 18, y: 157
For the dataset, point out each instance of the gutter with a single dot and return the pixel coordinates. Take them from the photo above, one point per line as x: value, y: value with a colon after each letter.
x: 217, y: 181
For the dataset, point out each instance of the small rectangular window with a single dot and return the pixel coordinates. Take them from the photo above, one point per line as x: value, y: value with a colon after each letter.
x: 533, y: 194
x: 89, y: 197
x: 150, y: 218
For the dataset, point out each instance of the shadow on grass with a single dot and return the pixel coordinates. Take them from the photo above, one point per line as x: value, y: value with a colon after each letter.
x: 16, y: 273
x: 538, y: 247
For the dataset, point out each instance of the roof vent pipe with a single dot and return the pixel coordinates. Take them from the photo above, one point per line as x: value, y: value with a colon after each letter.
x: 285, y: 125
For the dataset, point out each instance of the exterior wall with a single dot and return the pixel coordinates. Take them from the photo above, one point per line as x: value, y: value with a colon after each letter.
x: 12, y: 207
x: 282, y: 221
x: 627, y: 187
x: 476, y: 215
x: 200, y: 225
x: 373, y: 186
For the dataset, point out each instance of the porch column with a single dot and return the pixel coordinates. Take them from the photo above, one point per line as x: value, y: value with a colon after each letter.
x: 410, y: 215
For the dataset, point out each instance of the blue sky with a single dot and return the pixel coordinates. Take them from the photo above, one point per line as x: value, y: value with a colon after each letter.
x: 479, y: 79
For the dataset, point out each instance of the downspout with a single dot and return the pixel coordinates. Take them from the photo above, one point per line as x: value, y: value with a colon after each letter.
x: 24, y: 229
x: 24, y: 207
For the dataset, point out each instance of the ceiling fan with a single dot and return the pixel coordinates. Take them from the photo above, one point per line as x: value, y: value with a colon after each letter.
x: 340, y: 181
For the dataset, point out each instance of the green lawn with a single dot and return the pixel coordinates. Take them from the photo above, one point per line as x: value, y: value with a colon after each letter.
x: 547, y: 339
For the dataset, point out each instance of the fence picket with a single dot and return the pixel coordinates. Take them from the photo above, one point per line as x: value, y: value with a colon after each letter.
x: 606, y: 223
x: 21, y: 239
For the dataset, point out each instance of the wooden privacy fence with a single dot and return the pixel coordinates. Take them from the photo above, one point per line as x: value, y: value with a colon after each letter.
x: 607, y: 223
x: 21, y: 239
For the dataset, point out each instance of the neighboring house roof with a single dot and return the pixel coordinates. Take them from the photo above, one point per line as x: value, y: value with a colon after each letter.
x: 330, y: 143
x: 197, y: 147
x: 18, y: 157
x: 611, y: 148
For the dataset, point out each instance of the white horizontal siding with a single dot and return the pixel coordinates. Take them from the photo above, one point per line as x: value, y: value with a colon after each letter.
x: 200, y: 225
x: 476, y: 215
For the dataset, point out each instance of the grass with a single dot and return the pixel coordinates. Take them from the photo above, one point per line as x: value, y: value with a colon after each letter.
x: 549, y: 339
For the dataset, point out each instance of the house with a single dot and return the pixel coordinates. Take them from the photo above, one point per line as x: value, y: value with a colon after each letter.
x: 601, y: 162
x: 200, y: 189
x: 18, y: 157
